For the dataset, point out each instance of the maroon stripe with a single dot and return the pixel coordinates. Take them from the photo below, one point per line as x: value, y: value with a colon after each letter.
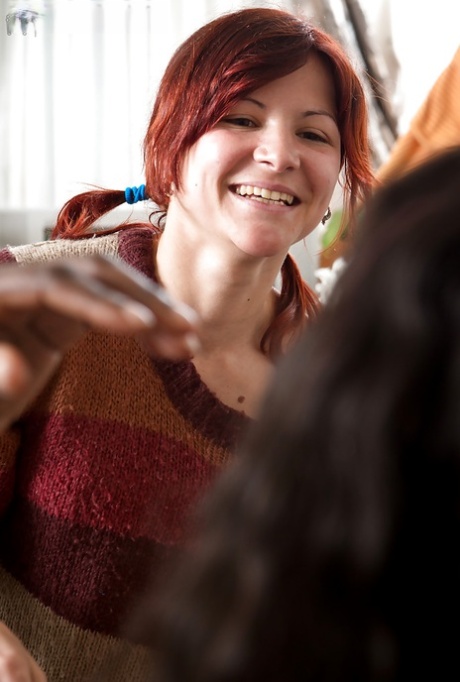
x: 6, y: 256
x: 87, y: 576
x: 135, y: 247
x: 7, y: 478
x: 112, y: 476
x: 217, y: 422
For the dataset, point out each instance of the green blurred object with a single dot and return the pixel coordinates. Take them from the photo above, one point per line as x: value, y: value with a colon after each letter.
x: 332, y: 230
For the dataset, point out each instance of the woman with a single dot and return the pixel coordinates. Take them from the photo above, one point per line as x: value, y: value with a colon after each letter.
x: 256, y: 115
x: 330, y: 550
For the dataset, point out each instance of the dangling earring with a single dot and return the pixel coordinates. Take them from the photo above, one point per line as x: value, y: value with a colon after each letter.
x: 326, y: 216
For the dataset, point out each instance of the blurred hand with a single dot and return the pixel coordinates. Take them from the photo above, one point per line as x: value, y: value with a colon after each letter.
x: 47, y: 307
x: 16, y: 664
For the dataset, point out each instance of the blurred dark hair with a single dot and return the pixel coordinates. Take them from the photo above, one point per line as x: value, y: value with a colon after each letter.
x: 330, y: 550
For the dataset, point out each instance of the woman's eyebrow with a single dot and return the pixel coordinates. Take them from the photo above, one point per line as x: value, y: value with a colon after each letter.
x: 318, y: 112
x: 305, y: 114
x: 261, y: 105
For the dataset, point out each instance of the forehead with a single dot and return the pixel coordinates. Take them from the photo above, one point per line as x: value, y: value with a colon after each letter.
x: 311, y: 86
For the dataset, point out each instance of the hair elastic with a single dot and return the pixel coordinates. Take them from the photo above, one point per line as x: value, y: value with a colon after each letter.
x: 135, y: 194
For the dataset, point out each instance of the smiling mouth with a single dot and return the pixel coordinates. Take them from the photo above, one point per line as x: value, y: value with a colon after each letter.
x: 264, y: 195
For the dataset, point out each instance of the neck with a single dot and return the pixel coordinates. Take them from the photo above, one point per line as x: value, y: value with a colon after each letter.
x: 232, y: 294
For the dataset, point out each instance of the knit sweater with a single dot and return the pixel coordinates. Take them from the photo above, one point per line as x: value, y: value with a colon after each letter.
x: 97, y: 482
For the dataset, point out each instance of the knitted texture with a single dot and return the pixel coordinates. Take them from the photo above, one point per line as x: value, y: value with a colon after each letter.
x: 97, y: 483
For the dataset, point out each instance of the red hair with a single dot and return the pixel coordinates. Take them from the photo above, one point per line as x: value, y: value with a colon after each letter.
x: 217, y: 66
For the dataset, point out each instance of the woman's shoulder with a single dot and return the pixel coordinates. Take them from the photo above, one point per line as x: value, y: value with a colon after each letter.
x: 134, y: 245
x: 106, y: 244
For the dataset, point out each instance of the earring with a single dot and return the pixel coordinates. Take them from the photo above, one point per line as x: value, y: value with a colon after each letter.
x: 326, y: 216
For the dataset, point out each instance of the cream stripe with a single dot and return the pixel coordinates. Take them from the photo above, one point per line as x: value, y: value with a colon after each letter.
x: 65, y: 651
x: 65, y: 248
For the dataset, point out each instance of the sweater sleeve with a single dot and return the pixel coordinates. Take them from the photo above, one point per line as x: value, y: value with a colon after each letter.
x: 9, y: 441
x: 38, y: 252
x: 6, y: 256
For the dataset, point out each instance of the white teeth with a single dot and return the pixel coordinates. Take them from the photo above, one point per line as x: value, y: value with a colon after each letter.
x: 249, y: 190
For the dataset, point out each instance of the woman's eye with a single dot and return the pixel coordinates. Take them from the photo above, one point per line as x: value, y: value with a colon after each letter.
x: 240, y: 121
x: 312, y: 135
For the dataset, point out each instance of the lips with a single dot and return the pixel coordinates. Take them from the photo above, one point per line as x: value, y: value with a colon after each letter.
x: 267, y: 195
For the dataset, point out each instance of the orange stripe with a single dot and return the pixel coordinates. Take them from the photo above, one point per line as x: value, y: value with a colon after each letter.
x: 107, y: 363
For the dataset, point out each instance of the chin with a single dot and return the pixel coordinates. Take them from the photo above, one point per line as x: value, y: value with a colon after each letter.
x: 268, y: 243
x: 264, y: 250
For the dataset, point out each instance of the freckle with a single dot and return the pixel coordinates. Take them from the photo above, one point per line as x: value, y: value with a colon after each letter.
x: 241, y: 398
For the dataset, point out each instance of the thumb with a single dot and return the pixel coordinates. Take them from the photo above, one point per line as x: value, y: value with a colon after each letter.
x: 15, y: 373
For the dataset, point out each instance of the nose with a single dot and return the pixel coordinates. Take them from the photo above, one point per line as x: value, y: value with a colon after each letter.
x: 277, y: 149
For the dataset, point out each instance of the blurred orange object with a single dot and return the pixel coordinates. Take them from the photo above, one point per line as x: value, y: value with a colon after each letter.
x: 435, y: 126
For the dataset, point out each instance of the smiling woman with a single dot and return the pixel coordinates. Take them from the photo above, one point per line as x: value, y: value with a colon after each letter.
x: 256, y: 114
x: 282, y: 141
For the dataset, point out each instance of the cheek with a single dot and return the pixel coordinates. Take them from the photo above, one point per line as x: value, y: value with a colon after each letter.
x: 325, y: 174
x: 203, y: 159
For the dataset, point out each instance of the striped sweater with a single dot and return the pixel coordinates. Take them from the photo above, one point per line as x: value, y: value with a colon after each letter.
x: 97, y: 481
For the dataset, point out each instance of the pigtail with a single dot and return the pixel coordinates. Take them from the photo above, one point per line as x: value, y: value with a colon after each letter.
x: 297, y: 304
x: 78, y: 215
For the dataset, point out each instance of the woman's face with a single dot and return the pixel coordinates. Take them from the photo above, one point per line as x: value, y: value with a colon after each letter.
x: 262, y: 177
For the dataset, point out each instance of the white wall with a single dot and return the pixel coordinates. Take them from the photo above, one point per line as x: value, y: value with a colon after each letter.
x: 423, y: 36
x: 23, y: 226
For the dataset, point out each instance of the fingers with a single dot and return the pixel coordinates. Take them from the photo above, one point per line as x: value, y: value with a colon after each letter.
x: 124, y: 299
x: 16, y: 664
x: 173, y: 347
x: 101, y: 294
x: 47, y: 307
x: 131, y: 289
x: 25, y: 367
x: 15, y: 374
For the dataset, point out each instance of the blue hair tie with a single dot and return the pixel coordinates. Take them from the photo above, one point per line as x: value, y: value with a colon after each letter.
x: 135, y: 194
